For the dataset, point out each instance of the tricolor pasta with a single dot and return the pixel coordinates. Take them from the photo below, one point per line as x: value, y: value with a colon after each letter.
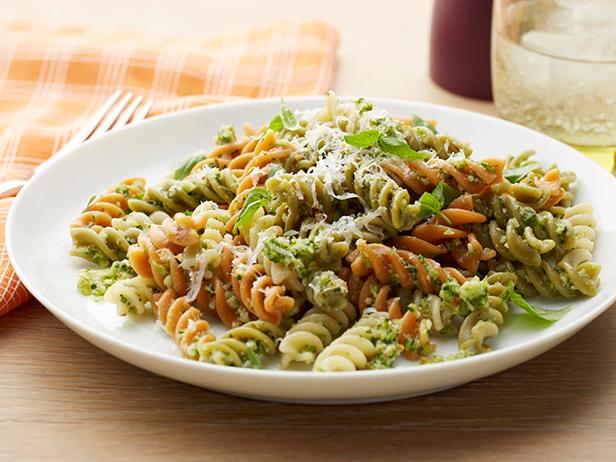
x: 341, y: 238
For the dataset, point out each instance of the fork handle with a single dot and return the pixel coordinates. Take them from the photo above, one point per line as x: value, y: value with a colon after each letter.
x: 10, y: 188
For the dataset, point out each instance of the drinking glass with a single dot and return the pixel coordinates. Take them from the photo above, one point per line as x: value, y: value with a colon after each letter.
x: 554, y: 67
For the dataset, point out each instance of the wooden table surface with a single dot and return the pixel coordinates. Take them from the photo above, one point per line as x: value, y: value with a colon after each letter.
x: 61, y: 398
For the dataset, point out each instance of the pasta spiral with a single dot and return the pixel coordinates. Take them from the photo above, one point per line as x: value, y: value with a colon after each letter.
x: 131, y: 295
x: 497, y: 285
x: 518, y: 232
x: 258, y: 293
x: 372, y: 343
x: 242, y: 346
x: 583, y: 223
x: 105, y: 245
x: 182, y: 322
x: 467, y: 175
x: 576, y: 273
x: 296, y: 196
x: 181, y: 252
x: 382, y: 194
x: 206, y: 184
x: 399, y: 266
x: 423, y: 139
x: 479, y: 326
x: 101, y: 233
x: 113, y: 204
x: 314, y: 331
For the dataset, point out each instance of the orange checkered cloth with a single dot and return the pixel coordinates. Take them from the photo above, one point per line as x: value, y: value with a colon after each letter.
x: 53, y: 78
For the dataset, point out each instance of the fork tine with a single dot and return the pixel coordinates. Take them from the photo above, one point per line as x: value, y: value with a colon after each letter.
x: 92, y: 122
x: 112, y: 116
x: 143, y: 111
x: 126, y: 114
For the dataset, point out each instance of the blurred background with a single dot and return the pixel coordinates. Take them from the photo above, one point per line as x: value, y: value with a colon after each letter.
x: 384, y: 47
x: 385, y: 50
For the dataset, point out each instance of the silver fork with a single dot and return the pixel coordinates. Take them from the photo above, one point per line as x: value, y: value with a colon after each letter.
x: 120, y: 109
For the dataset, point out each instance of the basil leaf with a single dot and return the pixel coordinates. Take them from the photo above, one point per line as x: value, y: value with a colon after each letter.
x: 256, y: 198
x: 399, y: 148
x: 515, y: 175
x: 184, y: 170
x: 276, y: 124
x: 430, y: 201
x: 363, y: 139
x: 419, y: 122
x: 443, y: 216
x: 288, y: 119
x: 88, y: 204
x: 536, y: 311
x: 445, y: 194
x: 429, y: 205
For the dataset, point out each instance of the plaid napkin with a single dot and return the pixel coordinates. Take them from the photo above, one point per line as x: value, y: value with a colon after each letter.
x: 53, y: 79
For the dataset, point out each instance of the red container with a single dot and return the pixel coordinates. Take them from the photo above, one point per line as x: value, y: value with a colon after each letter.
x: 460, y: 47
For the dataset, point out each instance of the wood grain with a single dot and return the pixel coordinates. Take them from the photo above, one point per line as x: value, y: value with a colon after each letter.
x: 62, y: 399
x: 60, y: 395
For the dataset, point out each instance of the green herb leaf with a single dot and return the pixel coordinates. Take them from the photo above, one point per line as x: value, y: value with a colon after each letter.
x: 184, y: 170
x: 419, y: 122
x: 431, y: 204
x: 363, y: 139
x: 276, y: 124
x: 510, y: 295
x: 399, y: 148
x: 256, y: 198
x: 445, y: 194
x: 288, y: 119
x: 515, y: 175
x: 88, y: 204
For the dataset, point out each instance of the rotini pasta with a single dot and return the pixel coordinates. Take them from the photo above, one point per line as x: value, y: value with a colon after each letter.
x: 314, y: 331
x: 372, y: 343
x: 286, y: 233
x: 131, y: 295
x: 242, y: 346
x: 182, y: 322
x: 171, y: 196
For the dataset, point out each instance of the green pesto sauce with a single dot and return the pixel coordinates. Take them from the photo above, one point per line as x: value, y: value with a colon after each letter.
x: 252, y: 359
x: 225, y: 135
x: 462, y: 299
x: 96, y: 281
x: 296, y: 253
x: 385, y: 339
x: 452, y: 357
x: 95, y: 256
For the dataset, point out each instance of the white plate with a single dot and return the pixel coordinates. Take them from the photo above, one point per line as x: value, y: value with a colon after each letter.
x: 38, y: 244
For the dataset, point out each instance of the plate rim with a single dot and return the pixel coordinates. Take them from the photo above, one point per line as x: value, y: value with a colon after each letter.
x: 522, y: 349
